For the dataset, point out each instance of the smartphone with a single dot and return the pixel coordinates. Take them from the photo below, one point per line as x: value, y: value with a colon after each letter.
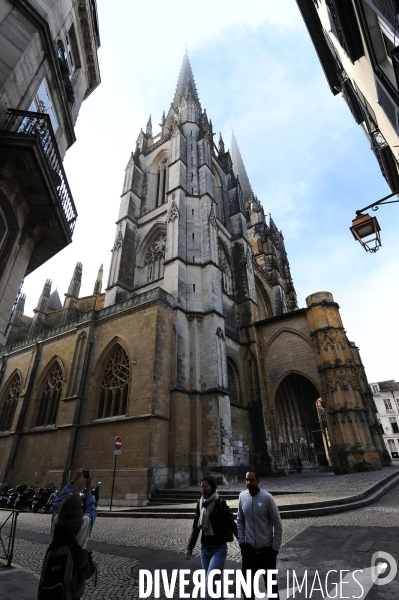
x: 86, y: 473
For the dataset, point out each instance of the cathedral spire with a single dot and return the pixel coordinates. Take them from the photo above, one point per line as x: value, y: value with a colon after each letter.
x: 185, y: 85
x: 149, y: 127
x: 98, y: 284
x: 221, y: 145
x: 44, y: 297
x: 18, y: 311
x: 239, y: 168
x: 74, y: 286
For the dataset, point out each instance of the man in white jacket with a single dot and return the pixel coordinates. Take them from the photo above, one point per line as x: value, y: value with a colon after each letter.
x: 259, y: 528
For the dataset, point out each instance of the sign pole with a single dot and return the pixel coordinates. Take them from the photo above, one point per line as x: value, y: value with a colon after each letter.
x: 113, y: 482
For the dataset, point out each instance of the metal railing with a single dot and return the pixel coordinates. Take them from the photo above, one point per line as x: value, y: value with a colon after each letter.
x: 8, y: 526
x: 291, y: 451
x: 33, y: 125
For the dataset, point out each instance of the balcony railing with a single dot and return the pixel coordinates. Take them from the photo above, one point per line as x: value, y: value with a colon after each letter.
x: 33, y: 125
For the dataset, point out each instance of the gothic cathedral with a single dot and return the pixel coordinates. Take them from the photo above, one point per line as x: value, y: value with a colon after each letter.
x: 196, y: 354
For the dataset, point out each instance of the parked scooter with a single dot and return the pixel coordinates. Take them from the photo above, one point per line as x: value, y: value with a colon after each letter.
x: 25, y: 496
x: 4, y: 493
x: 12, y: 496
x: 49, y: 503
x: 41, y: 497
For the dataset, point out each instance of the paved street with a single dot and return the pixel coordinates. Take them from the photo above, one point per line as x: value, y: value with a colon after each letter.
x: 123, y: 545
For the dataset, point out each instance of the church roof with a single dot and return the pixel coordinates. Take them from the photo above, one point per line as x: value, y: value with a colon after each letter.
x: 54, y: 302
x: 186, y: 84
x: 239, y: 168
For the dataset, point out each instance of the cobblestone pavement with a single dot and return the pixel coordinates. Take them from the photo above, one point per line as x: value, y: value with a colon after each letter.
x: 115, y: 572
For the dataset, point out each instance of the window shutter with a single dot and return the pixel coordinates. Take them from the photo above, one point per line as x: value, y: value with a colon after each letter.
x: 352, y: 101
x: 346, y: 27
x: 390, y: 167
x: 387, y: 103
x: 395, y: 63
x: 387, y: 9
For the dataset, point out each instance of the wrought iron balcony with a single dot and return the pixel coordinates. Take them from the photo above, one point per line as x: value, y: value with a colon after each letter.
x: 33, y: 125
x: 345, y: 26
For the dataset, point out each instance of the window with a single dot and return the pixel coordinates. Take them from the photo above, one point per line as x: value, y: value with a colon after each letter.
x: 374, y: 389
x: 114, y: 388
x: 227, y: 280
x: 50, y: 397
x: 394, y: 425
x: 3, y: 228
x: 154, y: 259
x: 10, y: 404
x: 42, y: 103
x: 388, y: 404
x: 397, y: 402
x: 162, y: 176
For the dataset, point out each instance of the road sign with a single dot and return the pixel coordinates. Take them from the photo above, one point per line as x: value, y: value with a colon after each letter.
x: 117, y: 451
x: 118, y: 442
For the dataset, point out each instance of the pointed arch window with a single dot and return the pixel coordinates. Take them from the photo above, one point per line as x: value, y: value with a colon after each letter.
x: 114, y: 389
x: 227, y: 280
x: 162, y: 174
x: 154, y: 259
x: 233, y: 383
x: 51, y: 397
x: 10, y: 404
x: 218, y: 195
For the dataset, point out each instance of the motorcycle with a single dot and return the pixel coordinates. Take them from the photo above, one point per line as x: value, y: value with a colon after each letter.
x: 25, y: 496
x: 41, y: 497
x: 95, y: 490
x: 4, y: 493
x: 12, y: 496
x: 49, y: 503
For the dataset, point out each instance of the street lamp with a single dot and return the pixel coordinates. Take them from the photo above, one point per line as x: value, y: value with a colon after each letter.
x: 366, y: 229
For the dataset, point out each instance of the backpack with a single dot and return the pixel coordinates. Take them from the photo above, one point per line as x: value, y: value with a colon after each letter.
x: 59, y: 578
x: 66, y: 565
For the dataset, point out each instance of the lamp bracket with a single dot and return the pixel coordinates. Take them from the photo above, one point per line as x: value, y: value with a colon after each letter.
x: 375, y: 206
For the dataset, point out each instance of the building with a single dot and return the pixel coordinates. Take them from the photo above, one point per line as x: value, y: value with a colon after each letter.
x: 357, y: 45
x: 386, y: 398
x: 49, y: 66
x: 196, y: 354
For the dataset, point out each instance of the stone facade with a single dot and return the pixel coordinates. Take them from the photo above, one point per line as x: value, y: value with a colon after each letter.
x: 196, y: 354
x: 49, y: 67
x: 356, y: 43
x: 386, y: 398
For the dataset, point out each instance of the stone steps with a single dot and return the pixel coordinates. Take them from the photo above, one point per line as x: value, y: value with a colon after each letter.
x: 293, y: 511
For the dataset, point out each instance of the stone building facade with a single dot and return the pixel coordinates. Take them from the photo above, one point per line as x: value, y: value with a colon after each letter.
x: 357, y: 44
x: 196, y: 354
x: 386, y: 398
x: 49, y: 66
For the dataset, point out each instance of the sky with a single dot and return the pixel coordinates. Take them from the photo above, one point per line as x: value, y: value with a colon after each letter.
x: 308, y: 162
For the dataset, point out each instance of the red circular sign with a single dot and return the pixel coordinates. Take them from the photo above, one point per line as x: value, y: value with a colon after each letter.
x: 118, y: 442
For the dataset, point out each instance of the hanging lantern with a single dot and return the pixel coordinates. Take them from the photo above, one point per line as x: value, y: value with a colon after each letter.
x: 366, y: 230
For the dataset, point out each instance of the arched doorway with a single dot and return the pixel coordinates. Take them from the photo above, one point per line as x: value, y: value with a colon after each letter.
x: 300, y: 420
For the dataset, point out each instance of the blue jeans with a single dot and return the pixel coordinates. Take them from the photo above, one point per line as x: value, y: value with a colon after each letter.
x: 213, y: 558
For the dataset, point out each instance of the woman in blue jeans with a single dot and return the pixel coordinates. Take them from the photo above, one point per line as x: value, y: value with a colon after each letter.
x: 215, y: 521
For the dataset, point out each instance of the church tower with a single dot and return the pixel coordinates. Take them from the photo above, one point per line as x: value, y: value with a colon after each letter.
x: 196, y: 353
x: 190, y: 224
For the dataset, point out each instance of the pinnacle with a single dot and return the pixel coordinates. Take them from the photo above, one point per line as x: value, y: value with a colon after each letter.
x: 186, y: 85
x: 239, y: 168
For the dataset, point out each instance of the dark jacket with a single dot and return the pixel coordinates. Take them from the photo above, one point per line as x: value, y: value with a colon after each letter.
x: 220, y: 521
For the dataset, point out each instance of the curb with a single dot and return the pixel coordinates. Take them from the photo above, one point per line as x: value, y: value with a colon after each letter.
x: 294, y: 511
